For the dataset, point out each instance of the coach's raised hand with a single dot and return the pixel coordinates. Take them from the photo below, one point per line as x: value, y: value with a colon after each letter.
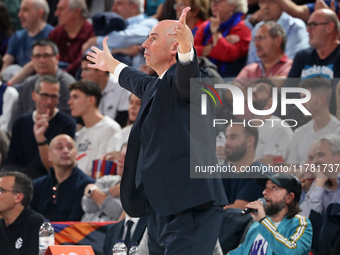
x: 102, y: 59
x: 182, y: 33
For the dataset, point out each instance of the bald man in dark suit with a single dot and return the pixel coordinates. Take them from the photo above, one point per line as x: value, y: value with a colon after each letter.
x: 183, y: 211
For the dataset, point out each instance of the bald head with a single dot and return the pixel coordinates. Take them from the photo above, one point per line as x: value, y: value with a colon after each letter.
x: 59, y: 138
x: 39, y: 4
x: 165, y: 39
x: 329, y: 16
x: 62, y: 153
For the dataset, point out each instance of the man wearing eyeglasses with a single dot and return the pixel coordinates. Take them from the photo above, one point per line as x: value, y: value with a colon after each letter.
x: 270, y: 43
x: 32, y: 131
x: 45, y: 57
x: 323, y: 27
x: 322, y: 58
x: 297, y: 36
x: 19, y: 226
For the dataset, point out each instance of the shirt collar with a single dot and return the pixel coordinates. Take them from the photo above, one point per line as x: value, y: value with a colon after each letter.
x: 161, y: 77
x: 20, y: 219
x: 127, y: 218
x: 283, y: 59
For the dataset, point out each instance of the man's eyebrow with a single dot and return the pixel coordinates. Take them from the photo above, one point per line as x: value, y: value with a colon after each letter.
x: 153, y: 34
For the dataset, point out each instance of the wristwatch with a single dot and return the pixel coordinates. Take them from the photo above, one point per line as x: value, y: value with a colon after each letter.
x: 90, y: 191
x: 42, y: 143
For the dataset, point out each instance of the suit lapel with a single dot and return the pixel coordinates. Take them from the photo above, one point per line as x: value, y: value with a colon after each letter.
x: 139, y: 231
x: 149, y: 99
x: 117, y: 235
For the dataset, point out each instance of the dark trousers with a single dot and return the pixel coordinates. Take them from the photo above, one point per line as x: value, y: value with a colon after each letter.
x: 194, y: 231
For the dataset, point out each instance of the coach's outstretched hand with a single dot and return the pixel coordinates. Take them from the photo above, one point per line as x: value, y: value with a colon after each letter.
x: 102, y: 59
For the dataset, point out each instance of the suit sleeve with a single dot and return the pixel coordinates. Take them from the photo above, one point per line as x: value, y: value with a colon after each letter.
x: 184, y: 72
x: 109, y: 237
x: 134, y: 81
x: 298, y: 243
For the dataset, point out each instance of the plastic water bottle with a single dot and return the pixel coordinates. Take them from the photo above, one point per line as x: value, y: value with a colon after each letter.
x: 119, y: 248
x: 46, y: 237
x: 134, y: 249
x: 220, y: 141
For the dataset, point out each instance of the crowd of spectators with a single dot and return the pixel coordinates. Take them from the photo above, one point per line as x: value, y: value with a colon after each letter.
x: 58, y: 116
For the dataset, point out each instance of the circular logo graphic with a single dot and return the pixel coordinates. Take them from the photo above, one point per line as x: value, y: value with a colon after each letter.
x: 18, y: 243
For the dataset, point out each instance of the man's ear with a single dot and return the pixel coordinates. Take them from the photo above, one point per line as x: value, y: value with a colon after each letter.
x: 78, y: 11
x: 49, y: 156
x: 290, y: 197
x: 251, y: 141
x: 135, y: 5
x: 270, y: 102
x: 337, y: 155
x: 278, y: 41
x: 330, y: 27
x: 91, y: 100
x: 18, y: 198
x: 323, y: 99
x: 174, y: 48
x: 41, y: 13
x: 34, y: 95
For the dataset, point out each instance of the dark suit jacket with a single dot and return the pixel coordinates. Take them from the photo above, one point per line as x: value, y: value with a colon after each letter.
x: 169, y: 147
x: 115, y: 233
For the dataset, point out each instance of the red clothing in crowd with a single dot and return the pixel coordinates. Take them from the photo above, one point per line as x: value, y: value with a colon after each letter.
x: 256, y: 70
x: 225, y: 51
x: 70, y: 49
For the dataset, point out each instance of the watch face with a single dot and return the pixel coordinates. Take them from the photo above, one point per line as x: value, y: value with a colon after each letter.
x: 90, y: 191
